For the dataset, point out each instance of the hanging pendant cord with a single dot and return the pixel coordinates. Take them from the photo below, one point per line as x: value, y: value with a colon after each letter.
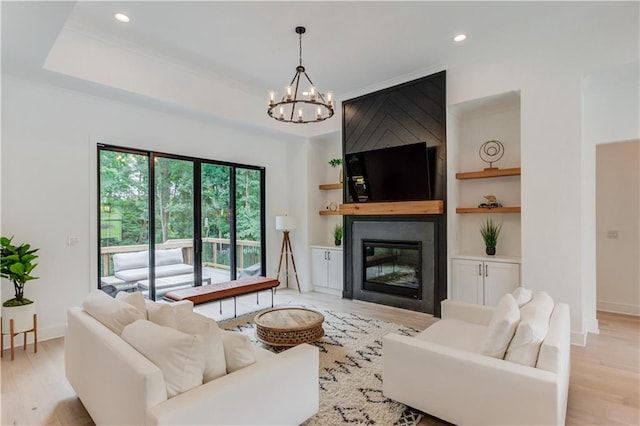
x: 300, y: 43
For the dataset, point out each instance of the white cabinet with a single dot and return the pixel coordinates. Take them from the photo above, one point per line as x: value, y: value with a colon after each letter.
x: 326, y: 269
x: 482, y: 281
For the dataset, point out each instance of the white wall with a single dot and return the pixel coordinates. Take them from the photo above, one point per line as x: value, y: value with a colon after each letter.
x: 49, y: 169
x: 557, y: 236
x: 618, y: 211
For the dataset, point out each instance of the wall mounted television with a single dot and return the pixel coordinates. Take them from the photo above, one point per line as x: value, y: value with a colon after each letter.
x: 399, y: 173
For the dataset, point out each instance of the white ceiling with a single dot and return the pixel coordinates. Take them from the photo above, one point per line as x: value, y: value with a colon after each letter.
x: 348, y: 47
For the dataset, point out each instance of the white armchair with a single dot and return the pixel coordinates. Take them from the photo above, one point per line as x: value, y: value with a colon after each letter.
x: 442, y: 372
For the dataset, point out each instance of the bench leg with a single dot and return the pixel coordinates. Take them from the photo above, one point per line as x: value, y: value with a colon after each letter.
x: 272, y: 296
x: 234, y: 307
x: 257, y: 297
x: 220, y: 306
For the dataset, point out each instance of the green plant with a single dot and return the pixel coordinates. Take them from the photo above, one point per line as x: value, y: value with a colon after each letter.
x: 337, y: 232
x: 490, y: 232
x: 16, y: 266
x: 335, y: 162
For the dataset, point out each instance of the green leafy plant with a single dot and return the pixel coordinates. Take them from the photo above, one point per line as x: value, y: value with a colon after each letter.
x: 337, y: 232
x: 335, y: 162
x: 16, y: 266
x: 490, y: 232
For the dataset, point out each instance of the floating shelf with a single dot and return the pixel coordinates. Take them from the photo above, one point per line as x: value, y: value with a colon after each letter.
x: 327, y: 186
x: 488, y: 211
x: 329, y: 212
x: 489, y: 173
x: 391, y: 208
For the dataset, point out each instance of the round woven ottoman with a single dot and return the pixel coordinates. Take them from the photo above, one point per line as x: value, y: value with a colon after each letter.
x: 289, y: 326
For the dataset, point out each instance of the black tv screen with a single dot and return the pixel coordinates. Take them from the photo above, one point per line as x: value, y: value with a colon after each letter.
x: 399, y: 173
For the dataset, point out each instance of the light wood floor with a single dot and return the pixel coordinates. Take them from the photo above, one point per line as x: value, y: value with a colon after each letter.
x: 604, y: 388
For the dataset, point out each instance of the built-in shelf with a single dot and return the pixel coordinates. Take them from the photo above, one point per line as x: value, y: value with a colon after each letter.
x: 327, y: 186
x: 487, y: 211
x: 329, y: 212
x: 489, y: 173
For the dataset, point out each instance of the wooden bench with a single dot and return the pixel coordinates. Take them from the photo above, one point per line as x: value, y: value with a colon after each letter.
x: 220, y: 291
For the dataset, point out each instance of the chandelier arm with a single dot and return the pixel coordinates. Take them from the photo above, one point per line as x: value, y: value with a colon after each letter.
x: 295, y: 94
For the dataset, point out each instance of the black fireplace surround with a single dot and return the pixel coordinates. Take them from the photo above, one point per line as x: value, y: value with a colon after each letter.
x: 408, y: 247
x: 409, y: 113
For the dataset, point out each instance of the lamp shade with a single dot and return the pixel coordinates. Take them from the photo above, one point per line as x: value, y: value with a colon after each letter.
x: 285, y: 223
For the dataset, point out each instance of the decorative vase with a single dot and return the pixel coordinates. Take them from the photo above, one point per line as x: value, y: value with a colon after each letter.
x: 338, y: 242
x: 22, y: 317
x: 491, y: 251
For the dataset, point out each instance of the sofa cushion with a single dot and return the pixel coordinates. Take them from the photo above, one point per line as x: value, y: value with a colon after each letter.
x: 531, y: 331
x: 112, y: 313
x: 215, y: 363
x: 522, y: 296
x: 162, y: 314
x: 133, y: 275
x: 135, y: 299
x: 455, y: 334
x: 502, y: 327
x: 126, y: 261
x: 169, y: 257
x: 238, y: 350
x: 180, y: 356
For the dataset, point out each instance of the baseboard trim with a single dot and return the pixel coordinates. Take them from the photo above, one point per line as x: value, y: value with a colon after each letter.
x: 579, y: 338
x: 618, y: 308
x: 593, y: 326
x: 44, y: 333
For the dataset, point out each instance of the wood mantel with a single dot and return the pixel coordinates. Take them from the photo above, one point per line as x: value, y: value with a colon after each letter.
x: 392, y: 208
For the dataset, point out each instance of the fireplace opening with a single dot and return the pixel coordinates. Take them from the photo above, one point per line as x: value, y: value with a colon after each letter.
x: 392, y: 267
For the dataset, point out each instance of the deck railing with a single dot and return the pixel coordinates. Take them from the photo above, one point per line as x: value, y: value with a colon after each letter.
x: 215, y: 253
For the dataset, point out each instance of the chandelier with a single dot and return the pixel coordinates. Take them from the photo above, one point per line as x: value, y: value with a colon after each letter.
x: 310, y: 107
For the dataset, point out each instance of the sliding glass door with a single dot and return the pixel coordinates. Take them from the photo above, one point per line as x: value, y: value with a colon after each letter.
x: 207, y: 224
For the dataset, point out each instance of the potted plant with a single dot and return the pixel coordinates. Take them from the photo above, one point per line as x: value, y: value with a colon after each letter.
x: 337, y: 234
x: 335, y: 163
x: 16, y: 265
x: 490, y: 232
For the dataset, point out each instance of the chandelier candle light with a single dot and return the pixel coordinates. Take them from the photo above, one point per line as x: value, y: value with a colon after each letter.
x: 311, y: 107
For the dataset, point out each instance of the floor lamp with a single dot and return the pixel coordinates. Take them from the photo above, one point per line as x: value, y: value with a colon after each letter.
x: 285, y: 224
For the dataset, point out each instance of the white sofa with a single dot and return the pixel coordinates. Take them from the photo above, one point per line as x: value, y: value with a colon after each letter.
x: 120, y: 386
x: 442, y: 371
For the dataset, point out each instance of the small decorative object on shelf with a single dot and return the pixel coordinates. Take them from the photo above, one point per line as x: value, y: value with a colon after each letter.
x: 336, y: 162
x: 337, y: 234
x: 492, y: 203
x: 333, y: 206
x: 490, y: 232
x: 490, y: 152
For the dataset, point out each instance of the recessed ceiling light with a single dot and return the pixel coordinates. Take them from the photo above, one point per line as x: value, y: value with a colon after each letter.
x: 121, y: 17
x: 460, y: 37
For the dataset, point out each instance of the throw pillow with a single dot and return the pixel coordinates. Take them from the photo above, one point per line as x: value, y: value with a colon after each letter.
x: 522, y: 296
x: 215, y: 363
x: 238, y: 350
x: 112, y: 313
x: 501, y: 327
x: 531, y: 331
x: 179, y: 355
x: 134, y: 299
x: 162, y: 314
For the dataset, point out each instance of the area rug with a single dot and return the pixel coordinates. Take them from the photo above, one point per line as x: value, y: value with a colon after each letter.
x: 350, y: 370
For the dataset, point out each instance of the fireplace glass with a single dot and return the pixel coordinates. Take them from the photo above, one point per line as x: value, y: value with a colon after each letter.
x: 393, y: 267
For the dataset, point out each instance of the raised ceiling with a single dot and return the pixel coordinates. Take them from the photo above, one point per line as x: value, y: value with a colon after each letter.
x: 251, y: 47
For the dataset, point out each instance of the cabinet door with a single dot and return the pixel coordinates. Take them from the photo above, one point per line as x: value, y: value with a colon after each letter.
x: 466, y: 281
x: 499, y: 278
x: 319, y: 273
x: 335, y: 269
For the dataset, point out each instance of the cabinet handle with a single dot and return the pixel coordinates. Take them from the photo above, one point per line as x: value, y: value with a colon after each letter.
x: 479, y: 269
x: 486, y: 270
x: 328, y: 255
